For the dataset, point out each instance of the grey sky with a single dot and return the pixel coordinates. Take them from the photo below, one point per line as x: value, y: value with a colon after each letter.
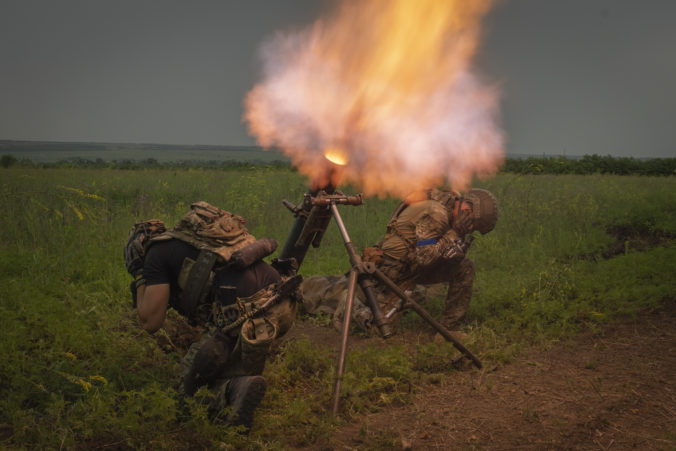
x: 577, y: 76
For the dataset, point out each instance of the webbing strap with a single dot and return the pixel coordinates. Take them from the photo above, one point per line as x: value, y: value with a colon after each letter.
x: 397, y: 211
x: 197, y: 279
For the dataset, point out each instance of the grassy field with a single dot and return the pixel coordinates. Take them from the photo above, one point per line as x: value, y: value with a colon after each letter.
x: 569, y: 252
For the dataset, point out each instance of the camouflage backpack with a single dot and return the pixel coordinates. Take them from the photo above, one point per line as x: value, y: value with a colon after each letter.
x: 210, y: 228
x: 221, y: 237
x: 138, y: 241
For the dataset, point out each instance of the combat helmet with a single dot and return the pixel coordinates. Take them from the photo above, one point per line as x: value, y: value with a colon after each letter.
x: 484, y: 207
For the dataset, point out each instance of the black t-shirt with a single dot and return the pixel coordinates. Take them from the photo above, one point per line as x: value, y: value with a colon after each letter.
x: 164, y: 260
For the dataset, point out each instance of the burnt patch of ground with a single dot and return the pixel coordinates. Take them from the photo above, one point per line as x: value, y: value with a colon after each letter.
x: 630, y: 237
x: 613, y: 389
x: 637, y: 238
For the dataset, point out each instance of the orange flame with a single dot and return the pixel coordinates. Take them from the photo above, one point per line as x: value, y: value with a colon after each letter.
x: 336, y: 156
x: 390, y: 83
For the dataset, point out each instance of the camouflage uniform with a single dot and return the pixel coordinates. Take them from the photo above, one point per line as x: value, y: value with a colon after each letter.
x: 413, y: 253
x: 209, y: 243
x: 410, y: 254
x: 232, y: 350
x: 327, y: 294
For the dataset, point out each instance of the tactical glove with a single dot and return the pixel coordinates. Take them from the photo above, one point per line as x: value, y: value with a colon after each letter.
x: 455, y: 250
x: 458, y: 248
x: 462, y: 224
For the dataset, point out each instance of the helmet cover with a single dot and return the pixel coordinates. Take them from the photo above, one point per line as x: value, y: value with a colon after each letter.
x: 484, y: 209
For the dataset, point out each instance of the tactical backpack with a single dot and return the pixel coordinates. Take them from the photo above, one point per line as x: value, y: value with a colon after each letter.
x: 138, y: 241
x: 210, y: 228
x: 222, y: 240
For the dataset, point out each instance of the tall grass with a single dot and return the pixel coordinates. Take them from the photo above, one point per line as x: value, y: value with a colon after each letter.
x: 77, y: 371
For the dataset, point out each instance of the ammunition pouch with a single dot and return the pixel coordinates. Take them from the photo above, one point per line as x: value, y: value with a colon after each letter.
x: 226, y: 317
x: 255, y: 340
x: 255, y: 324
x: 195, y: 280
x: 276, y: 303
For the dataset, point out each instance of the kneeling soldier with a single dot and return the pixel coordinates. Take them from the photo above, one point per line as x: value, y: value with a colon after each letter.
x: 425, y: 243
x: 210, y: 269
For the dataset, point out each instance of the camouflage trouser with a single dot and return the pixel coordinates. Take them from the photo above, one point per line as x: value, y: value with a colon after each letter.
x: 217, y: 385
x: 328, y: 294
x: 460, y: 277
x: 221, y: 355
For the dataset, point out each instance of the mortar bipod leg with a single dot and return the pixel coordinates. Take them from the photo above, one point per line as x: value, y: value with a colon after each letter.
x: 379, y: 319
x: 340, y: 364
x: 424, y: 314
x: 365, y: 283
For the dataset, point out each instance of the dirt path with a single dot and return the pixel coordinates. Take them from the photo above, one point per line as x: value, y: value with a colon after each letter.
x: 613, y: 390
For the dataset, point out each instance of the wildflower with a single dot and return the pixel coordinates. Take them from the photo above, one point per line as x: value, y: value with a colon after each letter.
x: 99, y: 379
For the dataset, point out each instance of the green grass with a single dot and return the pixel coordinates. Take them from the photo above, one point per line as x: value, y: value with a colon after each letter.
x: 78, y: 371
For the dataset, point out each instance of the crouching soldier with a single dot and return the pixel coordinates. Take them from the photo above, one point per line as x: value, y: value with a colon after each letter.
x: 209, y: 268
x: 426, y: 243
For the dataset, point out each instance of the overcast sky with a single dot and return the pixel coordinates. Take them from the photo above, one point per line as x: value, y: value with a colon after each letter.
x: 577, y: 76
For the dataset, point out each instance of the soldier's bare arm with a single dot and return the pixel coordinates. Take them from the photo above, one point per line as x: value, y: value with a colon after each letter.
x: 152, y: 305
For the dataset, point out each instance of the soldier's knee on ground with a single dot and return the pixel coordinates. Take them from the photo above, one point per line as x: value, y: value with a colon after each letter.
x: 208, y: 363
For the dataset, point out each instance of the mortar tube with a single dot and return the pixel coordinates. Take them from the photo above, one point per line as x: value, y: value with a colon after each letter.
x: 290, y: 250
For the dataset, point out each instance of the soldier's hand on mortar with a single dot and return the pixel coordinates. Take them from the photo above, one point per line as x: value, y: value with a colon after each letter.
x: 455, y: 250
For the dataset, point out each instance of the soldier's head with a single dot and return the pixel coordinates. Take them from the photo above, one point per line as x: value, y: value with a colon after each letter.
x: 482, y: 207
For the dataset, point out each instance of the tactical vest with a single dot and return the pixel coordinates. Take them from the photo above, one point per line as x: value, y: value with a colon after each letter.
x: 217, y: 234
x: 400, y: 239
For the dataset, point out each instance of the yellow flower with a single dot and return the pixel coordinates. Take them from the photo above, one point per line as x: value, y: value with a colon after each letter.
x: 95, y: 196
x: 85, y: 385
x: 99, y: 379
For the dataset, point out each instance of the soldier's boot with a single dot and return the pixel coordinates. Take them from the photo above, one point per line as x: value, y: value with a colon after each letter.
x: 244, y: 394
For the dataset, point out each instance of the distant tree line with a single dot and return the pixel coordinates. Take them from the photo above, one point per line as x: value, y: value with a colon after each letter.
x: 148, y: 163
x: 589, y: 164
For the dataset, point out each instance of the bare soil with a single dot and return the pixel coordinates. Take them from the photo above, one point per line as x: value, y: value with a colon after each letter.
x: 608, y: 390
x: 614, y: 389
